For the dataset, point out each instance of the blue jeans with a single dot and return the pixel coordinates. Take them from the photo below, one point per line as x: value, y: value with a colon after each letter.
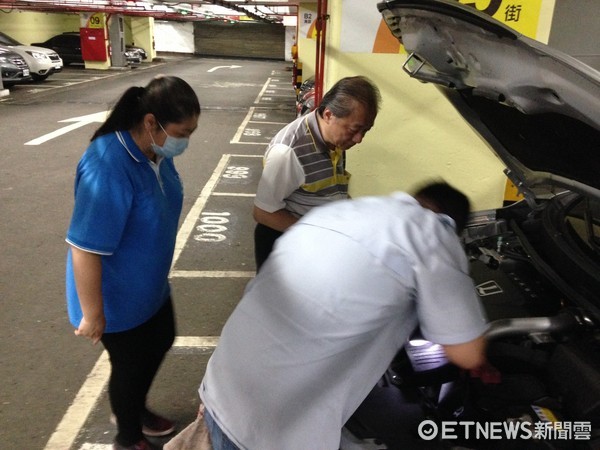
x: 219, y: 440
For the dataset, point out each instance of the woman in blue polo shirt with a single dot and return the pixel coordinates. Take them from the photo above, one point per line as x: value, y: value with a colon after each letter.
x: 128, y: 199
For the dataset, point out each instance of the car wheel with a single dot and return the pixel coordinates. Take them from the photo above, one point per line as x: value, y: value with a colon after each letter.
x: 37, y: 77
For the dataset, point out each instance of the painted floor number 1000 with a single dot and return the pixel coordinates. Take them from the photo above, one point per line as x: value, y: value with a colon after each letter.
x: 214, y: 223
x: 213, y: 226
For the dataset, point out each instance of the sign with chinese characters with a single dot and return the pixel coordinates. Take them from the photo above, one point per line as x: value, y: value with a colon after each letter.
x: 307, y: 16
x: 521, y: 15
x: 364, y: 31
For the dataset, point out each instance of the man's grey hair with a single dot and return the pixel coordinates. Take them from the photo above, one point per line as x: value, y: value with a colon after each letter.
x: 341, y: 97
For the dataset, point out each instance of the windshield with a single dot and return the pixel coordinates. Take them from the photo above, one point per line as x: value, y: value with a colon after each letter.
x: 7, y: 40
x: 584, y: 221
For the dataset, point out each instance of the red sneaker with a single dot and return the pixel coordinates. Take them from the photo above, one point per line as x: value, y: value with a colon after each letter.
x: 155, y: 425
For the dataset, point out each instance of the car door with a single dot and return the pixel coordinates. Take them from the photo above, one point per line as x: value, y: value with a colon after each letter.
x: 68, y: 46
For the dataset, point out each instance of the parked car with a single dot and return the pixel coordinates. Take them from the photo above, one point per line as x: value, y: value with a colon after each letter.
x: 68, y: 46
x: 42, y: 62
x: 139, y: 50
x: 13, y: 66
x: 133, y: 56
x: 535, y: 262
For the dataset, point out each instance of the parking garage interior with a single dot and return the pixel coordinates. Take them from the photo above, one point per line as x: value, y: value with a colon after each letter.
x: 334, y: 38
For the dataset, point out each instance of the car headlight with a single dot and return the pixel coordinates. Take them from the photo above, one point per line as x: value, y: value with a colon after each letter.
x: 38, y: 55
x: 3, y: 59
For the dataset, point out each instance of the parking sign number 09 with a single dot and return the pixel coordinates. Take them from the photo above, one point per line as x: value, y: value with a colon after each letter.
x: 213, y: 227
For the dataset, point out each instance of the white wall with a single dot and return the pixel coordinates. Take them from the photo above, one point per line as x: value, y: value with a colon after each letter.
x: 176, y: 37
x: 290, y: 38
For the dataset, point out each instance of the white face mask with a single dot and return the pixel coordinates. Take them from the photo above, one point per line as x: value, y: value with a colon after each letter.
x: 172, y: 147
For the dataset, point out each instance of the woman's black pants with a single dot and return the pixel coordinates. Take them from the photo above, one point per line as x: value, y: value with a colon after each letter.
x: 135, y: 357
x: 264, y: 239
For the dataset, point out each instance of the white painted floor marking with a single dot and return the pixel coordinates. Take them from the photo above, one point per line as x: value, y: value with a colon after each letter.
x: 240, y: 130
x: 230, y: 194
x: 65, y: 434
x: 75, y: 417
x: 190, y: 220
x: 264, y: 144
x: 196, y: 341
x: 262, y: 91
x: 211, y: 274
x: 98, y: 117
x: 233, y: 66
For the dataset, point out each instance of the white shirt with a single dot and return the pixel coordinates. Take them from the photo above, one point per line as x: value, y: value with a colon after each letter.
x: 320, y: 324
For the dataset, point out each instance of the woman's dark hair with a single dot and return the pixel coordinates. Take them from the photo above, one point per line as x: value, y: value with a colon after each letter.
x: 446, y: 200
x: 170, y: 99
x: 341, y: 97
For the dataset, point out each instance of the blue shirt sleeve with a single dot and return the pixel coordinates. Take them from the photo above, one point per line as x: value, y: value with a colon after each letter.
x: 103, y: 199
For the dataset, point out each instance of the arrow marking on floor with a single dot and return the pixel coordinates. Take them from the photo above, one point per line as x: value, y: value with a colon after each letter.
x: 77, y: 123
x: 223, y: 67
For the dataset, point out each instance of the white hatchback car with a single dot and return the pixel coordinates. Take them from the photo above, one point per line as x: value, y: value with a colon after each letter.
x: 42, y: 61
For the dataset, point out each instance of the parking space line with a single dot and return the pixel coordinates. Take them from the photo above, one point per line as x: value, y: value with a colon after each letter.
x: 75, y: 417
x: 232, y: 194
x: 65, y: 434
x: 247, y: 120
x: 240, y: 130
x: 202, y: 342
x: 262, y: 91
x: 211, y: 274
x: 190, y: 220
x: 61, y: 80
x: 187, y: 227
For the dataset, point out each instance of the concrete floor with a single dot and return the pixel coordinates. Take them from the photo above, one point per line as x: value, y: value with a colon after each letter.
x: 52, y: 384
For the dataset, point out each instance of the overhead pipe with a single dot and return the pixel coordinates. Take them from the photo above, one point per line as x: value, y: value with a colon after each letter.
x: 240, y: 9
x: 321, y: 27
x: 118, y: 7
x: 129, y: 11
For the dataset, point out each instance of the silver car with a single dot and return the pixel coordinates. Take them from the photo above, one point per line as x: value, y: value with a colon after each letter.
x: 13, y: 67
x: 42, y: 62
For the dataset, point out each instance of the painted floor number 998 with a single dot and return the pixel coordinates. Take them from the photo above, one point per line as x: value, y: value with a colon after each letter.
x: 236, y: 172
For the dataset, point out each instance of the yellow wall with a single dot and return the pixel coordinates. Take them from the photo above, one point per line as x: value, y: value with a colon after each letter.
x: 418, y: 135
x: 306, y: 42
x: 140, y: 31
x: 29, y: 27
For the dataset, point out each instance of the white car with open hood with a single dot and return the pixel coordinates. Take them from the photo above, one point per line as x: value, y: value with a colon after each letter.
x: 536, y: 262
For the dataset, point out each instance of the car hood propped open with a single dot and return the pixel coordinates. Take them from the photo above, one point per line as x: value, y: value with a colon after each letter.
x: 537, y: 108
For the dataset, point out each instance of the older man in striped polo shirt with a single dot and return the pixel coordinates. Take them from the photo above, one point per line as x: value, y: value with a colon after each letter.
x: 304, y: 165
